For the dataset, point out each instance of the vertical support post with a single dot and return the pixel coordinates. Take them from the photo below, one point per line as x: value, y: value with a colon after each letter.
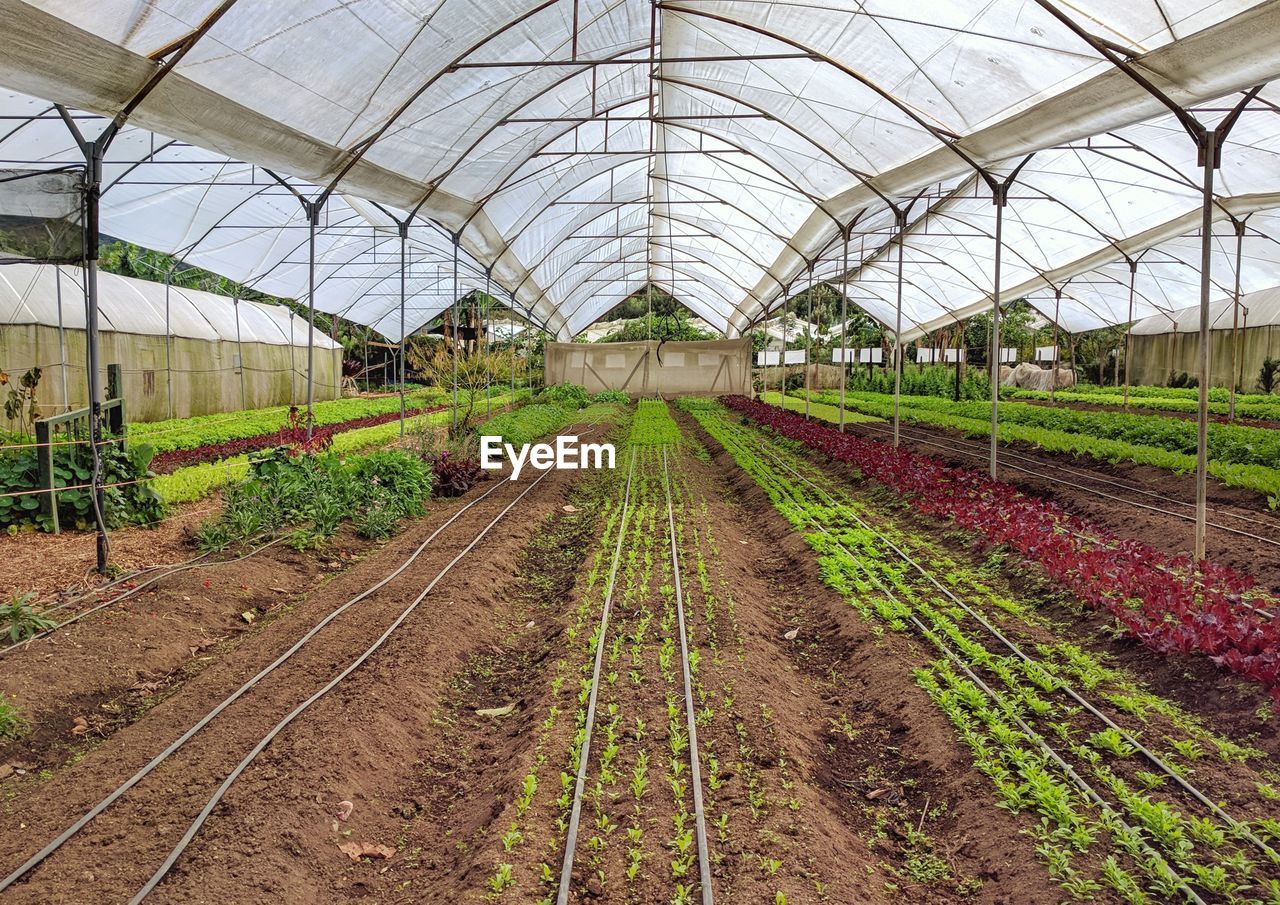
x: 1053, y: 363
x: 1128, y: 334
x: 808, y: 347
x: 404, y: 340
x: 1236, y: 351
x: 960, y: 346
x: 313, y: 214
x: 235, y: 307
x: 454, y: 420
x: 1209, y: 152
x: 168, y: 341
x: 62, y: 340
x: 486, y: 318
x: 48, y: 477
x: 782, y: 356
x: 844, y: 323
x: 93, y: 193
x: 999, y: 196
x: 901, y: 217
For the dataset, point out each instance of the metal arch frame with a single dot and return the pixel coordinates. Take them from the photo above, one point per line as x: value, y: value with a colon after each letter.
x: 553, y: 248
x: 861, y: 177
x: 569, y: 293
x: 813, y: 199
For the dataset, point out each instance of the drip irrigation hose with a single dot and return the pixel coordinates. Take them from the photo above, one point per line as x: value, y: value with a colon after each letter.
x: 1151, y: 757
x: 575, y: 814
x: 965, y: 448
x: 164, y: 755
x: 355, y: 664
x: 695, y: 772
x: 1044, y: 746
x: 193, y: 563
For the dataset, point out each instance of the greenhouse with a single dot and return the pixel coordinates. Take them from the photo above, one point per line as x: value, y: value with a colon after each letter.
x: 570, y: 452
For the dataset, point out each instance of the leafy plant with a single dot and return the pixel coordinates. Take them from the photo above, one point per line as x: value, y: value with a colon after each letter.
x: 20, y: 620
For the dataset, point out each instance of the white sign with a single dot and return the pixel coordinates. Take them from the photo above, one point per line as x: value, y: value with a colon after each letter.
x: 847, y: 354
x: 567, y: 454
x: 871, y: 356
x: 949, y: 355
x: 1046, y: 353
x: 767, y: 358
x: 928, y: 356
x: 796, y: 356
x: 1008, y: 356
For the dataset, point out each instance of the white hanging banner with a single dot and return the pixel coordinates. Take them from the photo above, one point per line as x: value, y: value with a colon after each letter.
x: 928, y: 356
x: 1046, y: 353
x: 849, y: 355
x: 950, y: 355
x: 1008, y: 356
x: 796, y: 357
x: 767, y: 358
x: 871, y: 356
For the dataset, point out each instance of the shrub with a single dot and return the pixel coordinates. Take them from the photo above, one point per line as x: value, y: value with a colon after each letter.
x: 1267, y: 376
x: 128, y: 496
x: 568, y: 395
x: 617, y: 397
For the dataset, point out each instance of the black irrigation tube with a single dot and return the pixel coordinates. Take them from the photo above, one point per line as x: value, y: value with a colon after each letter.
x: 193, y: 563
x: 164, y: 755
x: 996, y: 698
x: 355, y: 664
x: 575, y: 814
x: 964, y: 447
x: 1241, y: 828
x: 695, y: 772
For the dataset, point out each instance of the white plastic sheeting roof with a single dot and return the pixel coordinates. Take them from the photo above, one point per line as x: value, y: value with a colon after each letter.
x: 30, y: 293
x: 582, y: 149
x: 1257, y: 309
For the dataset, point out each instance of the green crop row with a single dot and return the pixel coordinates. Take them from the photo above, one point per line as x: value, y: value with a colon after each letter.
x: 653, y: 425
x: 198, y: 481
x: 820, y: 410
x: 205, y: 430
x: 973, y: 420
x: 1265, y: 408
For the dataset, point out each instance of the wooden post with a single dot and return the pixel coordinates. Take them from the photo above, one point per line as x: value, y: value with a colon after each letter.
x: 48, y: 478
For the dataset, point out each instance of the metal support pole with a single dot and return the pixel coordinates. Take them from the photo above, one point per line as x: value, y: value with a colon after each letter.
x: 235, y: 307
x: 313, y: 214
x: 486, y: 319
x: 168, y: 341
x: 62, y: 337
x: 1209, y: 149
x: 93, y: 193
x: 809, y: 346
x: 454, y: 420
x: 844, y: 323
x: 1053, y: 363
x: 404, y: 240
x: 897, y: 333
x: 1236, y: 352
x: 782, y: 359
x: 999, y: 197
x: 1128, y: 333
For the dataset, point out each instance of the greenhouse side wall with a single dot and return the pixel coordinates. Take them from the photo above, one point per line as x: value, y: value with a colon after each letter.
x: 1157, y: 357
x: 651, y: 368
x: 205, y: 378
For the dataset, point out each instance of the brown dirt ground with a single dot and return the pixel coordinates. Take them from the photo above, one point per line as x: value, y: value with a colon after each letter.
x: 146, y: 823
x: 902, y: 761
x: 1167, y: 533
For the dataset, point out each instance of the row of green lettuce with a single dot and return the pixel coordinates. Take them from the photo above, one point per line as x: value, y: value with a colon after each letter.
x: 1162, y: 399
x: 308, y: 497
x: 1239, y: 456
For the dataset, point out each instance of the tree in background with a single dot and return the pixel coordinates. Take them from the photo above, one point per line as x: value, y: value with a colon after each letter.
x: 476, y: 371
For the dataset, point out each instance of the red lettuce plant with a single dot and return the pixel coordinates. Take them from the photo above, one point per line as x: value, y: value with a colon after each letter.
x: 1169, y: 603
